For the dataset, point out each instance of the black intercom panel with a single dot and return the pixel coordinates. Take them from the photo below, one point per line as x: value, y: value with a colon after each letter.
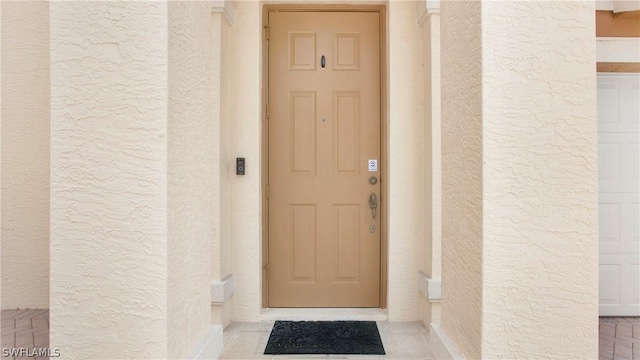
x: 240, y: 166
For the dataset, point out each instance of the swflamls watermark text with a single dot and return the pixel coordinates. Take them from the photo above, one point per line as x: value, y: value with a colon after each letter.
x: 30, y: 352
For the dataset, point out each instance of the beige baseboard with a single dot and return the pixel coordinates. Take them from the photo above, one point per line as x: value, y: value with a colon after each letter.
x: 442, y: 346
x: 211, y: 346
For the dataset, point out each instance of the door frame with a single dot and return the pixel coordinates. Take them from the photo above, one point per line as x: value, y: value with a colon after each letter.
x: 384, y: 187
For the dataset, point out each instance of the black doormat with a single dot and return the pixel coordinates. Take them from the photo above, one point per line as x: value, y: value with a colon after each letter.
x: 325, y: 337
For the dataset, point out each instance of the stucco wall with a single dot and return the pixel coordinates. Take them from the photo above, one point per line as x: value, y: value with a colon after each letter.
x: 227, y: 166
x: 190, y: 176
x: 222, y: 165
x: 430, y: 253
x: 462, y: 174
x: 540, y: 180
x: 244, y: 141
x: 406, y: 153
x: 25, y: 155
x: 519, y: 179
x: 109, y: 179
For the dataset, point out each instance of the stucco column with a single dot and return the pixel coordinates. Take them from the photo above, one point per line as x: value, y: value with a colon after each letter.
x: 109, y: 77
x: 131, y: 204
x: 519, y: 156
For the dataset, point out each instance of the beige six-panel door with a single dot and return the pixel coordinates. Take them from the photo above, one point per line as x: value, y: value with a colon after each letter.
x: 323, y: 130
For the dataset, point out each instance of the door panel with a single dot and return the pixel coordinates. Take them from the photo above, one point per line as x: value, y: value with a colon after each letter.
x: 323, y: 126
x: 303, y: 129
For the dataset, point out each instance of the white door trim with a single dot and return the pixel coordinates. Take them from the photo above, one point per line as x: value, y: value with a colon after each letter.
x: 617, y: 49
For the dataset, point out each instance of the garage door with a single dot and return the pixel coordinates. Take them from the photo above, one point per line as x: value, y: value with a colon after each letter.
x: 619, y: 163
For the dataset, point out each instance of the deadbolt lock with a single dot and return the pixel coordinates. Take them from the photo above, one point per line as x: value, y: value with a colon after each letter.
x: 373, y: 180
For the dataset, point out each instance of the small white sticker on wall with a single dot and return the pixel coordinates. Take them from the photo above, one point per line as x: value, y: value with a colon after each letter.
x: 373, y: 165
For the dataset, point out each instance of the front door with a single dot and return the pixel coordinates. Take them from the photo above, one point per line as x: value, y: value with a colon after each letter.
x: 324, y: 159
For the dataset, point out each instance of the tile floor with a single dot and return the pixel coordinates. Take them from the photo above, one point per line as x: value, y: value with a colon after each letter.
x: 619, y: 338
x: 24, y: 328
x: 401, y: 340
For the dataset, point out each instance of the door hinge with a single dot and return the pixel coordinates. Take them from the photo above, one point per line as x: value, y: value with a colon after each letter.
x: 267, y: 190
x: 267, y: 268
x: 267, y: 31
x: 268, y: 111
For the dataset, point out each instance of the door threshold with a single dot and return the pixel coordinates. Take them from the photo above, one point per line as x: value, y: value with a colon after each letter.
x: 324, y: 314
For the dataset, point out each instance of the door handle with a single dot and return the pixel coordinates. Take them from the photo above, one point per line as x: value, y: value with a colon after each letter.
x: 373, y: 204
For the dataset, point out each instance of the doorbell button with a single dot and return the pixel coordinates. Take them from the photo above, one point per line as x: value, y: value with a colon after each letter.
x: 240, y: 166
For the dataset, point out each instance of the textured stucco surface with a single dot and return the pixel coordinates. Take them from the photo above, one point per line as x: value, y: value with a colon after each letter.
x: 132, y: 202
x: 405, y: 156
x: 462, y: 174
x: 220, y: 126
x: 109, y: 277
x: 519, y: 179
x: 244, y: 141
x: 25, y: 155
x: 190, y: 176
x: 540, y: 254
x: 220, y: 123
x: 227, y: 167
x: 430, y: 252
x: 221, y: 171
